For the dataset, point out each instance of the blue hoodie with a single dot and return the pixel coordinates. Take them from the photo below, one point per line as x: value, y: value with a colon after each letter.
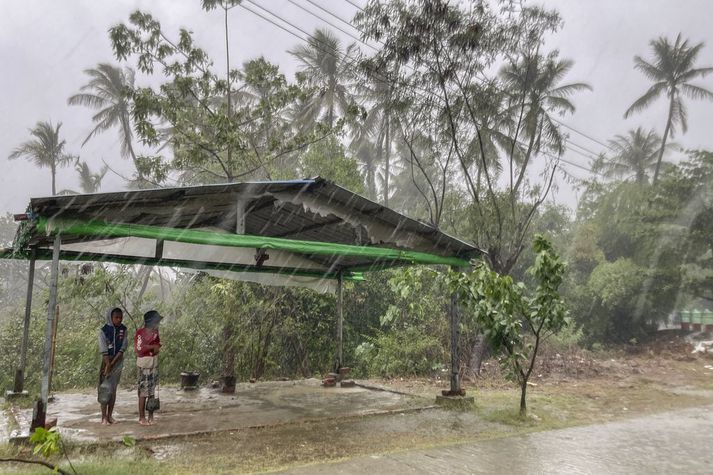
x: 112, y: 340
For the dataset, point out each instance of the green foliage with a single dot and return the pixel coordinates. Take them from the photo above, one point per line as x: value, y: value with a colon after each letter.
x: 46, y: 442
x: 626, y: 260
x: 411, y: 336
x: 635, y: 155
x: 128, y: 441
x: 480, y: 136
x: 272, y: 332
x: 219, y: 128
x: 328, y: 160
x: 515, y: 320
x: 692, y: 186
x: 407, y: 352
x: 326, y: 70
x: 616, y: 283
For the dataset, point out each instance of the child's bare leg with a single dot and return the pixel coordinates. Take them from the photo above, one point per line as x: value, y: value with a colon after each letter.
x: 104, y: 422
x: 142, y: 411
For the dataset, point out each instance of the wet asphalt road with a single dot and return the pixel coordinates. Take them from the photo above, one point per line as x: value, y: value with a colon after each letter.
x: 679, y: 442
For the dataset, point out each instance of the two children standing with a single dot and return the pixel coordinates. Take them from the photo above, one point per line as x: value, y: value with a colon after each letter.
x: 112, y: 346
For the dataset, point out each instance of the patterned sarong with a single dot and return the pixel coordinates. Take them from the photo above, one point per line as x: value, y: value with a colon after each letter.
x: 148, y: 379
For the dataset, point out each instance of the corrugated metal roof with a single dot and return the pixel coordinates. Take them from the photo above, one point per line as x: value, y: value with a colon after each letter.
x: 308, y: 210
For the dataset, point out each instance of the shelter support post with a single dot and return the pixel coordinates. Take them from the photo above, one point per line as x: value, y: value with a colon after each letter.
x: 454, y: 317
x: 38, y: 419
x: 340, y: 320
x: 20, y: 373
x: 240, y: 216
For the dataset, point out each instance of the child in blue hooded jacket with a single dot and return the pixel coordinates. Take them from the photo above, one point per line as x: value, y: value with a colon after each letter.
x: 112, y: 345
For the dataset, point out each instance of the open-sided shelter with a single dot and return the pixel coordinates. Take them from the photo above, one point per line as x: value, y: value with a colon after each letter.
x: 309, y: 233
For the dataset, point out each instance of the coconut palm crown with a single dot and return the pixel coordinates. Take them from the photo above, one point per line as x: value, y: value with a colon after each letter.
x: 671, y: 69
x: 45, y: 149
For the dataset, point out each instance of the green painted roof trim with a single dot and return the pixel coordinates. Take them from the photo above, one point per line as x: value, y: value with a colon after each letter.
x: 46, y: 254
x: 100, y: 229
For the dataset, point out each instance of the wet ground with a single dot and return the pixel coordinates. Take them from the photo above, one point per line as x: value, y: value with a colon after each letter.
x: 672, y: 442
x: 207, y: 410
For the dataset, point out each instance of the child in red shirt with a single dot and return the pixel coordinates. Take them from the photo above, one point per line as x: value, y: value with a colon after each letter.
x: 147, y: 345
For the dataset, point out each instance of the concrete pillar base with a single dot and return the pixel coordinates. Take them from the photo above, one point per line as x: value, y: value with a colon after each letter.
x: 15, y: 395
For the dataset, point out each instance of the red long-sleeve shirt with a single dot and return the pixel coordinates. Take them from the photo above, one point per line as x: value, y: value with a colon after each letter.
x: 143, y: 338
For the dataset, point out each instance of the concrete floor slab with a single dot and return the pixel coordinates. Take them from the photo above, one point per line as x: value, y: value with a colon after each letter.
x: 207, y: 410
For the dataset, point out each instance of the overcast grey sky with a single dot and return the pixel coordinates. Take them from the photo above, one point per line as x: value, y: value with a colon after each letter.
x: 45, y: 45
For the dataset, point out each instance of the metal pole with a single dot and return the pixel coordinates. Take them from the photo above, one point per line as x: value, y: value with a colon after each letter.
x: 340, y: 319
x: 20, y: 373
x: 455, y: 337
x: 51, y: 310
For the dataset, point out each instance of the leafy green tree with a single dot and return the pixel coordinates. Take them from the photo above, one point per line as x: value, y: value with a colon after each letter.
x: 514, y: 320
x: 615, y: 291
x: 412, y: 333
x: 626, y: 256
x: 327, y: 70
x: 635, y: 155
x: 455, y: 128
x: 45, y: 149
x: 108, y: 92
x: 685, y: 205
x: 212, y: 139
x: 671, y: 69
x: 327, y: 159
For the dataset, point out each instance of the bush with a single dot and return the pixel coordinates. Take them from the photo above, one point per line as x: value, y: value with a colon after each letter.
x: 409, y: 352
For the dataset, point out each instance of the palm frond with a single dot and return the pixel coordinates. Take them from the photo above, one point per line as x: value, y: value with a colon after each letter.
x: 650, y: 71
x: 644, y: 101
x: 696, y: 92
x: 679, y: 115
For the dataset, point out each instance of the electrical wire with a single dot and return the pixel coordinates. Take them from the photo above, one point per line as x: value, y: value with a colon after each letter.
x: 354, y: 61
x: 482, y: 81
x: 330, y: 24
x: 497, y: 88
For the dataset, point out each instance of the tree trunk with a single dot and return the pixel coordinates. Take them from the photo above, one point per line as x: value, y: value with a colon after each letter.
x: 523, y: 398
x: 664, y: 138
x: 229, y: 352
x: 387, y: 164
x: 54, y: 173
x: 479, y: 353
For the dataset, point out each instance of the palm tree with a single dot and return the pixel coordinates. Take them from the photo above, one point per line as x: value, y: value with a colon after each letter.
x: 108, y: 91
x: 45, y: 149
x: 635, y: 155
x: 533, y: 83
x: 90, y: 182
x: 670, y: 70
x: 325, y: 67
x: 382, y: 122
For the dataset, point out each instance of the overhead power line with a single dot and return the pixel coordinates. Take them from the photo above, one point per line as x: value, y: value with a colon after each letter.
x: 354, y: 61
x: 483, y: 80
x: 355, y: 5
